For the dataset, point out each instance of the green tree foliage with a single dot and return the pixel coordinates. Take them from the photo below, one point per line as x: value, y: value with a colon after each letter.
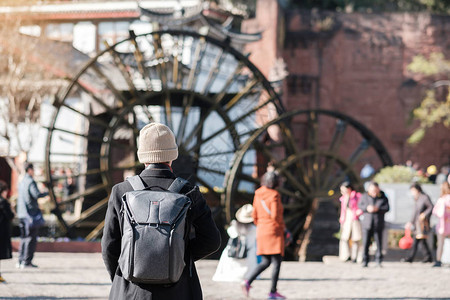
x: 431, y: 110
x: 433, y: 6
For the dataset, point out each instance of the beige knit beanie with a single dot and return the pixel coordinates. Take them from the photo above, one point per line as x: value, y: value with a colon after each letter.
x: 156, y: 144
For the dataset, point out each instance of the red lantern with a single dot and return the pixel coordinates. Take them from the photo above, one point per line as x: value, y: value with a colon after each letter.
x: 406, y: 241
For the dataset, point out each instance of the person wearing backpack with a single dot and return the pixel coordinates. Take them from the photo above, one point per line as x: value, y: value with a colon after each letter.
x: 133, y: 232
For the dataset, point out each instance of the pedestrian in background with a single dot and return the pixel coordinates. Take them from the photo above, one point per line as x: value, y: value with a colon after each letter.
x: 350, y: 224
x: 29, y: 213
x: 231, y: 267
x: 374, y: 205
x: 6, y: 216
x: 157, y: 150
x: 270, y: 228
x: 420, y: 220
x: 442, y: 211
x: 442, y: 176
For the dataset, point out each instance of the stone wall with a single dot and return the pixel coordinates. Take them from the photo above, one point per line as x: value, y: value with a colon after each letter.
x: 356, y: 64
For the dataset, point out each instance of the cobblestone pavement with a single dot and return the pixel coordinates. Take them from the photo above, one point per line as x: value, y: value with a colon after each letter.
x: 82, y: 276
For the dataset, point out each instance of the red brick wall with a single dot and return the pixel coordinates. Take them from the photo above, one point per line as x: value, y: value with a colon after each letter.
x: 357, y: 64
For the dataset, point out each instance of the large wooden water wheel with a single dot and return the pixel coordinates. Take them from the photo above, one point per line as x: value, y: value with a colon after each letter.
x: 313, y: 150
x: 210, y: 94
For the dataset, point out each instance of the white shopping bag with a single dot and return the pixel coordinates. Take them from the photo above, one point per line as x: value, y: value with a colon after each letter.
x: 446, y: 252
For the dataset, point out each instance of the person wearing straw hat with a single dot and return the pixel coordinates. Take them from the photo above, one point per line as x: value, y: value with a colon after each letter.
x: 231, y: 268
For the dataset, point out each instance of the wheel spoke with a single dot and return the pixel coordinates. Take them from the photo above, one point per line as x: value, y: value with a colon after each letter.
x: 336, y: 141
x: 159, y: 55
x: 122, y: 146
x: 135, y: 135
x: 89, y: 155
x: 187, y: 104
x: 284, y: 165
x: 86, y: 136
x: 205, y: 184
x: 168, y: 109
x: 90, y: 211
x: 344, y: 173
x: 123, y: 70
x: 145, y: 110
x: 96, y: 232
x: 93, y: 96
x: 214, y: 70
x: 211, y: 170
x: 85, y: 193
x: 248, y: 178
x: 177, y: 66
x: 296, y: 205
x: 229, y: 125
x: 198, y: 55
x: 231, y: 79
x: 326, y: 175
x: 313, y: 143
x: 181, y: 66
x: 89, y: 172
x: 244, y: 92
x: 91, y: 118
x: 139, y: 57
x: 362, y: 148
x: 290, y: 178
x: 218, y: 153
x: 294, y: 182
x: 119, y: 95
x: 293, y: 148
x: 190, y: 86
x: 289, y: 193
x: 339, y: 132
x: 126, y: 167
x: 293, y: 217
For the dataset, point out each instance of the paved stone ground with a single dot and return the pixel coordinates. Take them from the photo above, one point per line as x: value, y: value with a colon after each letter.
x: 82, y: 276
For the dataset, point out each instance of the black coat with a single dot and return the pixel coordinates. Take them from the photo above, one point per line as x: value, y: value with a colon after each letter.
x: 373, y: 220
x: 206, y: 241
x: 6, y: 216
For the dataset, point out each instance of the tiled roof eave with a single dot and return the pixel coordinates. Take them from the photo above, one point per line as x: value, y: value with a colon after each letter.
x: 85, y: 15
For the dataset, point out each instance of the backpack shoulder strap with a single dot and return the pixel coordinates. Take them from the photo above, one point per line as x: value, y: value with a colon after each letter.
x: 136, y: 182
x: 264, y: 205
x: 177, y: 185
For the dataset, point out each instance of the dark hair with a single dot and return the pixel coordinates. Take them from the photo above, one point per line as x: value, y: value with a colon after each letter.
x: 416, y: 186
x: 28, y: 166
x: 347, y: 185
x: 270, y: 180
x: 374, y: 183
x: 3, y: 186
x: 445, y: 188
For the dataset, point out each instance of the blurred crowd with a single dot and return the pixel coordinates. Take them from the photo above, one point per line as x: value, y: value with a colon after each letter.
x: 431, y: 173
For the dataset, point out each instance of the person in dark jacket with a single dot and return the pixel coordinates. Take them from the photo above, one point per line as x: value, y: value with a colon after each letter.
x: 421, y: 221
x: 157, y: 150
x: 6, y: 216
x: 374, y: 205
x: 27, y: 207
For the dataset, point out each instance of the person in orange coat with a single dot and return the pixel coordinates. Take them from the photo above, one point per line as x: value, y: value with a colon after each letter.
x: 270, y: 228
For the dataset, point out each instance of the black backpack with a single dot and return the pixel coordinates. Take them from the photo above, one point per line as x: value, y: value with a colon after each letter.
x: 154, y: 227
